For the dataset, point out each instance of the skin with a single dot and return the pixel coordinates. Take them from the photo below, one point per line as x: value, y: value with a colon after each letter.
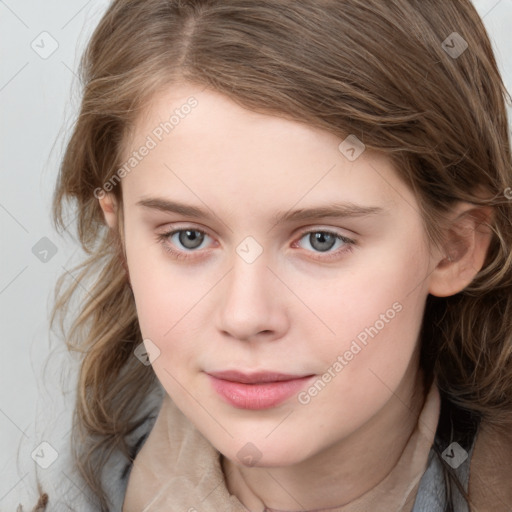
x: 292, y: 310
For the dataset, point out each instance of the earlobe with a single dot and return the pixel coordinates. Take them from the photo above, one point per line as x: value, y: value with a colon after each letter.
x: 108, y: 204
x: 467, y: 242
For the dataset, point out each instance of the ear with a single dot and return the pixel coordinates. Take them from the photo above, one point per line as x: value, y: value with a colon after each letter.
x: 468, y: 236
x: 108, y: 204
x: 110, y: 207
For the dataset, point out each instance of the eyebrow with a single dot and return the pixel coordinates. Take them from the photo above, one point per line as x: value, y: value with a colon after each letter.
x: 334, y: 210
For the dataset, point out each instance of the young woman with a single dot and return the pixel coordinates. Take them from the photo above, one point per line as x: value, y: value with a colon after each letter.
x: 297, y: 216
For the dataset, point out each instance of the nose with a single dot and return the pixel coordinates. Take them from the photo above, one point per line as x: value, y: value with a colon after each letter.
x: 252, y: 302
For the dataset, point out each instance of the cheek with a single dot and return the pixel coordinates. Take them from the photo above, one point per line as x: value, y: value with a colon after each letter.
x: 160, y: 296
x: 170, y: 301
x: 366, y: 362
x: 165, y: 305
x: 373, y: 312
x: 166, y: 316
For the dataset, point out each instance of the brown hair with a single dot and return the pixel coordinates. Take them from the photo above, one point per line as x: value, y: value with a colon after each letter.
x: 378, y: 70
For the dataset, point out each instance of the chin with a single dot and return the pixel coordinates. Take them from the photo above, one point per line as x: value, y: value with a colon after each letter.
x: 268, y: 456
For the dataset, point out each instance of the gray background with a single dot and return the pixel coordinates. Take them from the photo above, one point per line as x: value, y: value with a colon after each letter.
x: 39, y: 96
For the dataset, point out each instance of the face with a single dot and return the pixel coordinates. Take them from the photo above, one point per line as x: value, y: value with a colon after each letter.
x: 259, y: 282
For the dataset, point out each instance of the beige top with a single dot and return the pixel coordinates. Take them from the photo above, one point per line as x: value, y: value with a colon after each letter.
x: 177, y: 469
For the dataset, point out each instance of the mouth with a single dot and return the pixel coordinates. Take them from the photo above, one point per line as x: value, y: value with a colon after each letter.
x: 261, y: 390
x: 255, y: 377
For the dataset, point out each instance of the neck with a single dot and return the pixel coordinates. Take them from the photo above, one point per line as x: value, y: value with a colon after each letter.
x: 342, y: 472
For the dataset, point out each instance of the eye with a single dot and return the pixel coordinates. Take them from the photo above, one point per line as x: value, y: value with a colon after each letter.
x: 189, y: 238
x: 186, y: 240
x: 322, y: 241
x: 182, y: 243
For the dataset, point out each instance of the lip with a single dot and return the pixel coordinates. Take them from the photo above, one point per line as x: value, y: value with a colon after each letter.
x: 261, y: 390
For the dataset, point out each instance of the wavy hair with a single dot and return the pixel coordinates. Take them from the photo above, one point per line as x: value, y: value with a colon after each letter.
x: 379, y: 70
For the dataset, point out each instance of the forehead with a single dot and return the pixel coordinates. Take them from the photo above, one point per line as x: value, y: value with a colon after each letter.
x: 186, y: 110
x: 202, y: 142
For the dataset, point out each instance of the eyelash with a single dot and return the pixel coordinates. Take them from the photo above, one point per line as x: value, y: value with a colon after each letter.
x: 162, y: 238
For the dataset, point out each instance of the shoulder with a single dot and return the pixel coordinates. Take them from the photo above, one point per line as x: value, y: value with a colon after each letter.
x: 477, y: 454
x: 449, y: 460
x: 63, y: 485
x: 115, y: 474
x: 490, y: 482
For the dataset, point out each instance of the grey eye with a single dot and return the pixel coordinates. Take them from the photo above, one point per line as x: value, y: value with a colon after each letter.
x: 321, y: 241
x: 190, y: 238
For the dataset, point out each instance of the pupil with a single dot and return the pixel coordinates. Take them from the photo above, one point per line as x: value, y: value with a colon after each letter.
x: 326, y: 241
x: 190, y: 239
